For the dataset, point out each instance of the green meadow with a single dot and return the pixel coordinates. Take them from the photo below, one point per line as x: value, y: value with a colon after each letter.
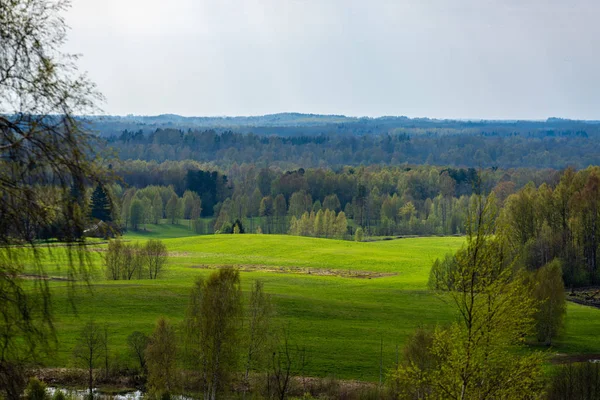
x: 338, y: 299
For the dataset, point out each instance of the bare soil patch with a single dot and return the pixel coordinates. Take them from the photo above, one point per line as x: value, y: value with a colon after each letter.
x: 179, y: 253
x: 343, y: 273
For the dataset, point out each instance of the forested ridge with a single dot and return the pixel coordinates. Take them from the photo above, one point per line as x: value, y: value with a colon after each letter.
x: 392, y: 141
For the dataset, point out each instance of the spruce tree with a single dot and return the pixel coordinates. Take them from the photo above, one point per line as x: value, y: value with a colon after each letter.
x: 101, y: 205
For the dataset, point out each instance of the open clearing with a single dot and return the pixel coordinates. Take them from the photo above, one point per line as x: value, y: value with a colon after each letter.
x: 340, y: 316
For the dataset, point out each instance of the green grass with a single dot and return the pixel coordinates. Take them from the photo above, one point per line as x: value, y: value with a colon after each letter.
x: 582, y: 325
x: 340, y: 320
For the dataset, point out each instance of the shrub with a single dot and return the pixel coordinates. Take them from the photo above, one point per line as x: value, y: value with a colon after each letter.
x: 359, y: 235
x: 59, y: 395
x: 36, y: 390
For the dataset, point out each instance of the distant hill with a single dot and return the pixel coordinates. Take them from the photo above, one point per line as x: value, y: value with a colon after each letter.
x: 297, y: 124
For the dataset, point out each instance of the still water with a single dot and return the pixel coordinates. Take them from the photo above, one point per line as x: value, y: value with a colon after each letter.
x: 80, y: 394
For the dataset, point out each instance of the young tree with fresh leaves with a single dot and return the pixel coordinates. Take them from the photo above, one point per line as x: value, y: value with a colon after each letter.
x: 132, y: 261
x: 224, y: 219
x: 191, y: 205
x: 172, y: 208
x: 137, y: 343
x: 258, y: 335
x: 157, y: 209
x: 155, y: 255
x: 113, y: 260
x: 213, y: 324
x: 254, y: 203
x: 548, y: 290
x: 411, y: 377
x: 126, y: 200
x: 136, y: 214
x: 294, y: 228
x: 300, y: 202
x: 147, y: 207
x: 359, y: 235
x: 341, y: 225
x: 89, y: 350
x: 332, y: 202
x: 316, y: 207
x: 319, y: 224
x: 475, y: 356
x: 161, y: 360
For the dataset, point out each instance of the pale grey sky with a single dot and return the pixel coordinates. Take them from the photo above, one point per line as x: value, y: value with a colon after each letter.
x: 421, y: 58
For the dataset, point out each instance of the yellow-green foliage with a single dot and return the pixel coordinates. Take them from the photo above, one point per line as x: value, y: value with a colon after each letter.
x: 36, y: 390
x: 549, y: 291
x: 475, y: 357
x: 339, y: 298
x: 161, y: 358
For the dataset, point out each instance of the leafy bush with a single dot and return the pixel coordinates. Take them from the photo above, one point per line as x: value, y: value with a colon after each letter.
x: 59, y: 395
x: 36, y: 390
x: 358, y: 235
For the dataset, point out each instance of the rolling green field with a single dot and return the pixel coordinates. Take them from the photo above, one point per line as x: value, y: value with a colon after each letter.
x: 338, y: 299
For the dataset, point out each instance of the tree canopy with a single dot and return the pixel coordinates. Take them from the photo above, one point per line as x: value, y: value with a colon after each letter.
x: 46, y: 163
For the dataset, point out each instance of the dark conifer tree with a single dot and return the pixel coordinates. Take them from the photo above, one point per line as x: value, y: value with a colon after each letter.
x: 101, y: 208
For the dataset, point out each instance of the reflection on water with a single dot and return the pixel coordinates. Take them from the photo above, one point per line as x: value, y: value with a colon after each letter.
x: 81, y: 394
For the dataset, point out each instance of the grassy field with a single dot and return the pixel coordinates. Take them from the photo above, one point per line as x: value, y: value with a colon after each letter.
x: 338, y: 299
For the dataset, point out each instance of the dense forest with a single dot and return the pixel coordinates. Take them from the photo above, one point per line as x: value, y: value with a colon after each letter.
x: 291, y: 144
x: 381, y: 200
x: 292, y: 124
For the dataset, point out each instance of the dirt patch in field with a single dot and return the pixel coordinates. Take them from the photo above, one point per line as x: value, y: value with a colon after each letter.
x: 343, y: 273
x: 179, y: 253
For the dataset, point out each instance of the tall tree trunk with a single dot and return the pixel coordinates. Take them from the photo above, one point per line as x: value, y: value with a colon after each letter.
x: 91, y: 383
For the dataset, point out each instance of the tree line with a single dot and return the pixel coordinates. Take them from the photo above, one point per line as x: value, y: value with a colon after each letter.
x: 502, y: 145
x: 558, y: 222
x: 322, y: 224
x: 380, y: 200
x: 553, y: 215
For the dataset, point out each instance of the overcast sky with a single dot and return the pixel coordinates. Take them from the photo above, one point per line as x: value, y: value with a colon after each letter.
x: 421, y: 58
